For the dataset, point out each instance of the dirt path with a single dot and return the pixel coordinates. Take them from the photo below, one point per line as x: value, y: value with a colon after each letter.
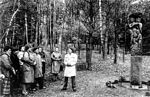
x: 92, y: 83
x: 89, y: 84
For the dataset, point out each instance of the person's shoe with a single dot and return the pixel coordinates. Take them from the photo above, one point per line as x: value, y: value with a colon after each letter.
x: 63, y: 89
x: 44, y: 87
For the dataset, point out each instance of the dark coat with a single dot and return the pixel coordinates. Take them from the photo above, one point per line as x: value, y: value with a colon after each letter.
x: 5, y: 65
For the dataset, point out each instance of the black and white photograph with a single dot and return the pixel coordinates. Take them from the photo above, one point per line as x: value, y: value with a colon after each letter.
x: 74, y: 48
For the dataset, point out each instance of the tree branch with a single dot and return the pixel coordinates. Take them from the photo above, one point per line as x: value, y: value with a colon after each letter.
x: 10, y: 23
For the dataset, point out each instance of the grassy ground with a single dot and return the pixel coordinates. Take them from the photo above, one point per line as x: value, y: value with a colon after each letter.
x: 92, y: 83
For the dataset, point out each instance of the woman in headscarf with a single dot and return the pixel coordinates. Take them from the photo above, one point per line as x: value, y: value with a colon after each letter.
x: 56, y: 62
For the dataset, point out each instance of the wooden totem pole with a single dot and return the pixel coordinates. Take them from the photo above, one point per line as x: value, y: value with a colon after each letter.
x: 135, y: 29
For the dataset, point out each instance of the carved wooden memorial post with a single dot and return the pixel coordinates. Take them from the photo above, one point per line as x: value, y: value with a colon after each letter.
x: 136, y: 52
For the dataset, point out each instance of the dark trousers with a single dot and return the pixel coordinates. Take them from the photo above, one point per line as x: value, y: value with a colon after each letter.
x: 40, y: 82
x: 43, y: 68
x: 72, y: 81
x: 43, y: 71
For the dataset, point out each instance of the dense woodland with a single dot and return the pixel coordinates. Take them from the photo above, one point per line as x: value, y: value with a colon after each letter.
x: 84, y: 24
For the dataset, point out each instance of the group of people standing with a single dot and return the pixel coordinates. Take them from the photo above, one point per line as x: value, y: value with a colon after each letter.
x: 31, y: 68
x: 32, y: 62
x: 30, y: 71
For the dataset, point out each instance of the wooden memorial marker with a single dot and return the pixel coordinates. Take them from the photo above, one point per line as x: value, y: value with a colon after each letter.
x: 136, y: 66
x: 135, y: 28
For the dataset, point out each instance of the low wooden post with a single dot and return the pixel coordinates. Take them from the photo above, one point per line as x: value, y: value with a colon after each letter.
x: 148, y: 85
x: 148, y: 88
x: 1, y: 86
x: 136, y: 65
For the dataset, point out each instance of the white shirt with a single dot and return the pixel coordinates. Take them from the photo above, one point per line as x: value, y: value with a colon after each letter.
x: 20, y: 55
x: 71, y: 60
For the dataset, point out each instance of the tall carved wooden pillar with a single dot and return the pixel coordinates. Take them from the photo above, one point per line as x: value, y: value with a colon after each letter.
x: 136, y: 53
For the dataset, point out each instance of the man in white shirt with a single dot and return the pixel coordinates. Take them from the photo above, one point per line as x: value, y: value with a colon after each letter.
x: 70, y: 61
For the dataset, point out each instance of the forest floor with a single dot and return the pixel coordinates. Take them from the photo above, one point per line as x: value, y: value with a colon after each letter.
x: 92, y: 83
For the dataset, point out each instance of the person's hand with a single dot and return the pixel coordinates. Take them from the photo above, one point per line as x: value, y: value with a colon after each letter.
x: 43, y: 60
x: 140, y: 41
x: 2, y: 76
x: 34, y: 63
x: 14, y: 71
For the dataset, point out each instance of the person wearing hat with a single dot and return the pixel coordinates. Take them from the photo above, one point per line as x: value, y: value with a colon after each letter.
x: 70, y: 61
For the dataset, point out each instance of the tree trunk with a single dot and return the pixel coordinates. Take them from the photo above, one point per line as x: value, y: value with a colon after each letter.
x: 13, y: 37
x: 26, y: 27
x: 52, y: 25
x: 37, y: 32
x: 103, y: 49
x: 79, y: 40
x: 124, y: 46
x: 116, y: 36
x: 89, y: 52
x: 40, y: 24
x: 104, y: 45
x: 60, y: 41
x: 115, y: 47
x: 48, y: 23
x: 61, y: 35
x: 108, y: 46
x: 100, y: 15
x: 10, y: 23
x: 79, y: 50
x: 100, y: 44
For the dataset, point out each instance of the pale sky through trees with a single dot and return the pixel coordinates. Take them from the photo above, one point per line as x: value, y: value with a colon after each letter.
x: 138, y: 1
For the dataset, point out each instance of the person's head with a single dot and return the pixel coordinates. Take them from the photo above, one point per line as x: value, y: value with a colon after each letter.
x: 56, y: 49
x: 40, y: 49
x: 30, y: 49
x: 26, y: 48
x: 22, y: 48
x: 132, y: 20
x: 7, y: 49
x: 138, y: 20
x: 70, y: 50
